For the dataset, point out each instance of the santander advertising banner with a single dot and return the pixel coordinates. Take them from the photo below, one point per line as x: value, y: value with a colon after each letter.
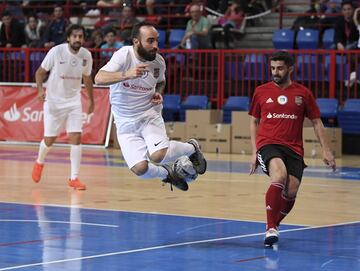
x: 21, y: 116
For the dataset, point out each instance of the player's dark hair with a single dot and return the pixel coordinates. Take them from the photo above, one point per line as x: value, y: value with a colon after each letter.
x: 283, y: 56
x: 73, y: 27
x: 135, y: 33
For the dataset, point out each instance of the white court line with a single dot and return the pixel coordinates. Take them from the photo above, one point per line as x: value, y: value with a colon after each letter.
x: 58, y: 222
x: 168, y: 246
x: 151, y: 213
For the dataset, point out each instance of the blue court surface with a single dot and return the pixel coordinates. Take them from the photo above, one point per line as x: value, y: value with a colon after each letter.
x: 37, y: 237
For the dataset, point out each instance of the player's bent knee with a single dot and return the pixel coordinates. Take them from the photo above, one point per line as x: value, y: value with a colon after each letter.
x: 158, y: 156
x: 140, y: 168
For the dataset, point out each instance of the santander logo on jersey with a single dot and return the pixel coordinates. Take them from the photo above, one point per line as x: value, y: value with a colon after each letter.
x: 29, y: 115
x: 281, y: 116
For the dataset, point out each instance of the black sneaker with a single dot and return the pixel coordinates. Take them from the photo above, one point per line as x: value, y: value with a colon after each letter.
x: 174, y: 179
x: 197, y: 158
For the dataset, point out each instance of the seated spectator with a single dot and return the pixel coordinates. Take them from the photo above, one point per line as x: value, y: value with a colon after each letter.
x: 55, y: 30
x: 197, y: 31
x: 34, y: 29
x: 11, y: 31
x: 346, y: 34
x: 126, y: 23
x: 96, y: 40
x: 109, y: 3
x: 232, y: 19
x: 194, y: 2
x: 111, y: 43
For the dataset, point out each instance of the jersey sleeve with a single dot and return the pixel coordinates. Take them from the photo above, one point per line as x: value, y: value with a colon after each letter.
x: 88, y: 66
x: 161, y: 77
x: 116, y: 62
x: 49, y: 60
x: 255, y: 110
x: 312, y: 110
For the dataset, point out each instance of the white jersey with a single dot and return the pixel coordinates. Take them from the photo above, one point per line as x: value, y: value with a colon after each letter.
x: 66, y: 71
x: 132, y: 98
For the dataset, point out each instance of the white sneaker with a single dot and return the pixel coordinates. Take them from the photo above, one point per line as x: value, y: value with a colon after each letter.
x: 350, y: 83
x: 271, y: 237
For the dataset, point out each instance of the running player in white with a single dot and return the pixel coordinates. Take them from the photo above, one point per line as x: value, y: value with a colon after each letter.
x: 136, y: 75
x: 68, y: 64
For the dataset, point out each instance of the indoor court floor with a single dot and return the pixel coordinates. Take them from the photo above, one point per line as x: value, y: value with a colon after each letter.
x: 122, y: 223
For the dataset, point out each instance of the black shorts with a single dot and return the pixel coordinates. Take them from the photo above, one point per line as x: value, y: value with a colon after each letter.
x: 294, y: 163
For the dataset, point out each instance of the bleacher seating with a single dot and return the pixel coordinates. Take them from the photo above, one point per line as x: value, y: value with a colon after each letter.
x: 162, y: 38
x: 307, y: 39
x: 171, y: 107
x: 175, y: 37
x: 328, y: 38
x: 234, y: 103
x: 328, y: 110
x: 349, y: 117
x: 283, y: 38
x: 193, y: 102
x: 256, y: 67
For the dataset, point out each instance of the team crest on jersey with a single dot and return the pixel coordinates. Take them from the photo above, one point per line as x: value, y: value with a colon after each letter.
x: 73, y: 62
x: 145, y: 74
x: 84, y: 62
x: 156, y: 72
x: 282, y: 99
x: 298, y: 100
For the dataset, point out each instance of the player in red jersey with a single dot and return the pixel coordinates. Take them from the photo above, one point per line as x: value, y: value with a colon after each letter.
x: 277, y: 114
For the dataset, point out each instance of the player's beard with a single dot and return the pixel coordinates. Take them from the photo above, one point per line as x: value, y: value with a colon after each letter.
x: 281, y: 80
x: 147, y: 55
x: 76, y: 46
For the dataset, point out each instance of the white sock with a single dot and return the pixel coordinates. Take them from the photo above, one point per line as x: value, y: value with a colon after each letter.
x: 43, y: 151
x: 75, y: 158
x: 177, y: 149
x: 154, y: 171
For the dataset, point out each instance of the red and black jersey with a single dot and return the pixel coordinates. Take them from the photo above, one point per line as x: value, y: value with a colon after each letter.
x: 281, y: 113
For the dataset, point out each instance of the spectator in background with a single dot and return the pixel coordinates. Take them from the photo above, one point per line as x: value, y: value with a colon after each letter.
x: 357, y: 23
x: 126, y: 23
x: 232, y: 19
x: 55, y: 31
x: 96, y: 40
x: 110, y: 43
x: 194, y: 2
x: 11, y: 31
x: 34, y: 29
x: 197, y: 30
x: 346, y: 34
x: 109, y: 3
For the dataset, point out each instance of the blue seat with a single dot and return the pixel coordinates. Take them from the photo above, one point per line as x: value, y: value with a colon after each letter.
x: 310, y: 67
x: 234, y: 103
x: 342, y: 67
x: 256, y: 67
x: 234, y: 70
x: 349, y: 117
x: 162, y: 38
x: 193, y: 102
x: 328, y: 38
x: 307, y: 39
x: 283, y: 38
x: 171, y: 107
x: 328, y: 110
x: 175, y: 37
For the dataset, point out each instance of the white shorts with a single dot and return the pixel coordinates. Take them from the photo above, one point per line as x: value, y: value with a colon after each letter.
x: 56, y: 119
x: 140, y: 138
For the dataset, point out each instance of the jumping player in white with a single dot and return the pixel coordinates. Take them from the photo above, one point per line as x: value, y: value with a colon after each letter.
x: 136, y: 75
x: 68, y: 64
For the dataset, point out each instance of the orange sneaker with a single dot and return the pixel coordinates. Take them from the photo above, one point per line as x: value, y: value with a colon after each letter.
x: 36, y: 172
x: 76, y: 184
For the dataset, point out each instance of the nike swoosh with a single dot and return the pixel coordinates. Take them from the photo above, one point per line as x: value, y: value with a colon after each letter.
x: 155, y: 144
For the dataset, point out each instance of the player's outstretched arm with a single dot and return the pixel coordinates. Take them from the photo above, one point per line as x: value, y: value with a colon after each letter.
x: 40, y: 76
x: 108, y: 78
x: 254, y: 123
x: 89, y: 88
x: 328, y: 157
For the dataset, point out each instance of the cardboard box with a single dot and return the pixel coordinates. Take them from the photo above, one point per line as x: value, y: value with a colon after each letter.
x: 176, y: 130
x: 197, y: 131
x: 218, y: 138
x: 312, y: 146
x: 240, y: 122
x: 203, y: 116
x: 241, y: 144
x: 307, y: 123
